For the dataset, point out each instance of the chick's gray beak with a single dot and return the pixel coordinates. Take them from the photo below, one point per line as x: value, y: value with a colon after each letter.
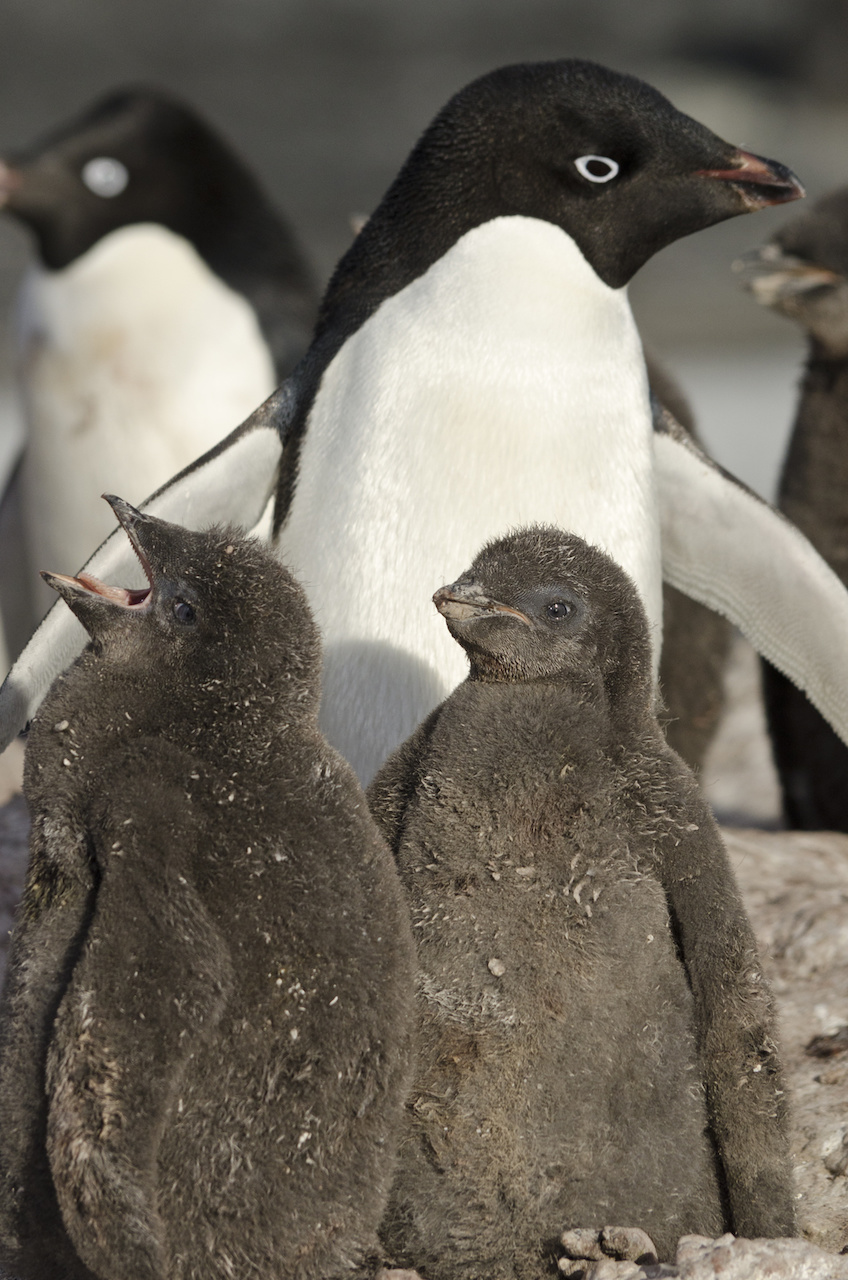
x: 773, y: 276
x: 80, y: 592
x: 461, y: 601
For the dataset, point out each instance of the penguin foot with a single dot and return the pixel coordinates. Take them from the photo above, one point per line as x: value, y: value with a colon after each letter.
x: 620, y: 1253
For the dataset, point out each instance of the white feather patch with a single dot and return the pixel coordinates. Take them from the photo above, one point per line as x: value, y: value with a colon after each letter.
x: 734, y: 553
x: 506, y: 386
x: 135, y: 360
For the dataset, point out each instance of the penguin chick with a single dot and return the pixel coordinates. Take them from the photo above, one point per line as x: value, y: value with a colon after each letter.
x: 596, y: 1035
x: 206, y: 1026
x: 169, y: 299
x: 802, y: 273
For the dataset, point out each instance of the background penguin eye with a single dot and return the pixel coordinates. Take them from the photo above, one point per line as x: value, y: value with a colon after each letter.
x: 558, y: 609
x: 105, y: 177
x: 183, y: 611
x: 596, y: 168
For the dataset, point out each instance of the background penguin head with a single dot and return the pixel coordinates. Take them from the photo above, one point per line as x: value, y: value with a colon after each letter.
x: 602, y: 155
x: 545, y: 605
x: 802, y: 272
x: 219, y: 615
x: 136, y: 155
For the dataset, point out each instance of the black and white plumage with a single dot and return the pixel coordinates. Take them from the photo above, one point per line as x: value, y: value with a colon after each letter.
x: 596, y: 1036
x: 476, y: 365
x: 205, y: 1032
x: 802, y: 273
x: 169, y: 299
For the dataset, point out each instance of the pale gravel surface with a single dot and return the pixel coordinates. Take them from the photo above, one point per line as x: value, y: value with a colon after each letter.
x: 795, y: 887
x: 729, y: 1259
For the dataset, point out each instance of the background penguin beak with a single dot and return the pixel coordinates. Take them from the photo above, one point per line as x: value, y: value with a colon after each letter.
x: 773, y: 276
x: 759, y: 181
x: 10, y: 180
x: 462, y: 601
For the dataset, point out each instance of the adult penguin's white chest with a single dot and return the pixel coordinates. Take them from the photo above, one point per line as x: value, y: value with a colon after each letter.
x: 504, y: 387
x: 135, y: 359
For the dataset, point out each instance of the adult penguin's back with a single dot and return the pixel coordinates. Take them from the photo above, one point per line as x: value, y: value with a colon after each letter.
x: 169, y: 298
x: 477, y: 367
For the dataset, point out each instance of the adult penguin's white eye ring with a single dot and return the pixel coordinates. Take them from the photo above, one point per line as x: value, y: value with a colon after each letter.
x: 105, y: 176
x: 596, y: 168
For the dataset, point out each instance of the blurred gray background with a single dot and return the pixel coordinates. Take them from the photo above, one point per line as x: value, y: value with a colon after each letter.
x: 326, y: 97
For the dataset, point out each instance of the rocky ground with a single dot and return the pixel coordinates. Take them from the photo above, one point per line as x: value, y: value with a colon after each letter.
x: 795, y: 887
x: 796, y: 890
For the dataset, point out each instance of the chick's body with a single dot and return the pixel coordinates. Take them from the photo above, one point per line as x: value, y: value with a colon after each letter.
x: 201, y: 1071
x: 591, y: 1005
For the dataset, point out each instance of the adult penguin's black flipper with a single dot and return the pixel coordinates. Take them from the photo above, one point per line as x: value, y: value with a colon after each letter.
x: 732, y: 551
x: 234, y: 482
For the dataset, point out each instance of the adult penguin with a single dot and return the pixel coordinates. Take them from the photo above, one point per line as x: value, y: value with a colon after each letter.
x: 802, y: 273
x: 476, y: 366
x: 169, y: 298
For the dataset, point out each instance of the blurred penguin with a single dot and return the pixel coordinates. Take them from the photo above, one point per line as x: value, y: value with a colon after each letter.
x: 169, y: 299
x: 802, y: 273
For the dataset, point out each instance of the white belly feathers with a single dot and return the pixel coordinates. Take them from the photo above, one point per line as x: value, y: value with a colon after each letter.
x: 136, y: 358
x: 504, y: 387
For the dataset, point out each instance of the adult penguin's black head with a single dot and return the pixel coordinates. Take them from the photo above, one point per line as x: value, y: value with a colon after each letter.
x: 802, y: 272
x: 543, y: 605
x: 139, y: 155
x: 600, y: 154
x: 219, y: 617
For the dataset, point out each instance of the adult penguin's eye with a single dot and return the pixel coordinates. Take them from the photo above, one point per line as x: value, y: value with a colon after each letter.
x: 596, y: 168
x: 105, y: 176
x: 183, y: 611
x: 558, y: 609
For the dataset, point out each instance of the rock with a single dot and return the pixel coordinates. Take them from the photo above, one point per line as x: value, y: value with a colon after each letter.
x: 795, y: 886
x: 729, y: 1258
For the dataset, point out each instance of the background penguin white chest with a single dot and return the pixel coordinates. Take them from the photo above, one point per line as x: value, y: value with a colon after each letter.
x: 135, y: 359
x: 506, y: 386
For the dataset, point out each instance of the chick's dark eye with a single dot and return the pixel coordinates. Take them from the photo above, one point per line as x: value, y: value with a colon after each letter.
x: 596, y: 168
x: 558, y: 609
x: 183, y: 611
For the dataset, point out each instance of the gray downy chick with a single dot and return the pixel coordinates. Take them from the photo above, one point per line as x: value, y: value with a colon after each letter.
x: 802, y: 273
x: 205, y: 1030
x: 597, y: 1039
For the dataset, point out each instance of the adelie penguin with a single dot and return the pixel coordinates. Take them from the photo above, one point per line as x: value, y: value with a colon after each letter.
x: 802, y: 273
x: 597, y: 1041
x: 205, y: 1032
x: 475, y: 367
x: 169, y: 299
